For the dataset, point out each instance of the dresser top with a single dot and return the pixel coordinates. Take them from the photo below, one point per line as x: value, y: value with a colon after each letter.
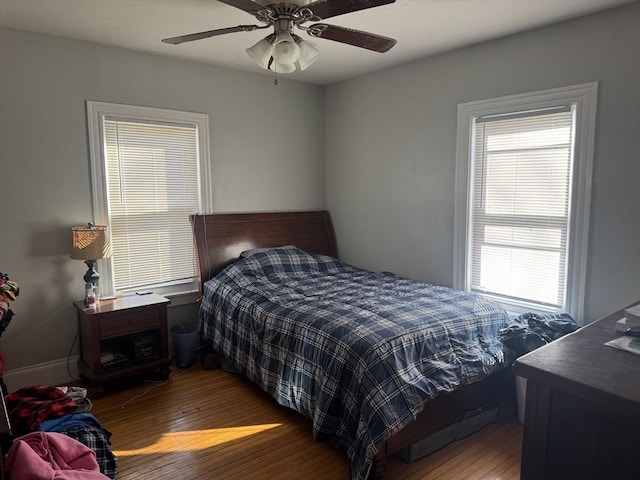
x: 580, y: 363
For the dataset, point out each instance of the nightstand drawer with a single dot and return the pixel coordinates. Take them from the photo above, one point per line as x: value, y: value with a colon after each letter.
x: 123, y: 325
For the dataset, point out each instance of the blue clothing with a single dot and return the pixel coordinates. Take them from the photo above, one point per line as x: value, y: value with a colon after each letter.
x: 67, y: 422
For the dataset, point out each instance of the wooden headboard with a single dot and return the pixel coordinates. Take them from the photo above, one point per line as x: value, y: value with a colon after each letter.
x: 220, y: 238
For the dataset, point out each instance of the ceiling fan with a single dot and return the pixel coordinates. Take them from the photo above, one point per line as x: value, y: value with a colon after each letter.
x: 282, y: 50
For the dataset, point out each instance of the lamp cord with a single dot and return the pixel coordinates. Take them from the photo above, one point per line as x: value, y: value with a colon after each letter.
x: 73, y: 344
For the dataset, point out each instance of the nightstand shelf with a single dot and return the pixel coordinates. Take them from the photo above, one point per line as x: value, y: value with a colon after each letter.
x: 123, y: 337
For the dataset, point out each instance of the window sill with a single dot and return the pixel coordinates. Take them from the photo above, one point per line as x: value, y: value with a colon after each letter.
x: 177, y: 296
x: 518, y: 308
x: 183, y: 298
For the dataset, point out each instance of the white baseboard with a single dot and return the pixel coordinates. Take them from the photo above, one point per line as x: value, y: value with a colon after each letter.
x: 54, y: 372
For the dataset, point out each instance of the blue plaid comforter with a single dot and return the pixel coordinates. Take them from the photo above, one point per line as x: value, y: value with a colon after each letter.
x: 357, y: 352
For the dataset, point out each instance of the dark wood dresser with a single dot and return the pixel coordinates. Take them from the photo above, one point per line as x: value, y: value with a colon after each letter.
x: 582, y: 413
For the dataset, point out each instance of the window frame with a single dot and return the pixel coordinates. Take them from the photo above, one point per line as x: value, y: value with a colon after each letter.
x: 584, y: 97
x: 96, y: 113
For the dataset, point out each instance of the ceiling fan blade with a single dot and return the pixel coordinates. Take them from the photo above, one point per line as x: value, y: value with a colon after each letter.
x: 370, y: 41
x: 246, y: 5
x: 209, y: 33
x: 332, y: 8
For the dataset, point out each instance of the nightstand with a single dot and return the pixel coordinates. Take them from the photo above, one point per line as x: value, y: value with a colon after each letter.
x: 123, y: 337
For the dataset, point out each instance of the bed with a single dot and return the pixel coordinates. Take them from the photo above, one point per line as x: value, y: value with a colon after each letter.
x: 376, y: 361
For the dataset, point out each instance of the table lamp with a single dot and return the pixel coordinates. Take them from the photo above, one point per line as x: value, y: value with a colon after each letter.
x: 91, y: 243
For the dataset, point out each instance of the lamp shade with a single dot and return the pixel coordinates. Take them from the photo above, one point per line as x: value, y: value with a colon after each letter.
x: 90, y: 242
x: 282, y: 67
x: 261, y: 52
x: 285, y: 49
x: 283, y: 52
x: 308, y: 54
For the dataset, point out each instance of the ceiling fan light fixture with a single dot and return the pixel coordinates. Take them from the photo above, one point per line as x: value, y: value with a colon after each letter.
x: 282, y: 67
x: 285, y: 49
x: 308, y: 54
x: 261, y: 52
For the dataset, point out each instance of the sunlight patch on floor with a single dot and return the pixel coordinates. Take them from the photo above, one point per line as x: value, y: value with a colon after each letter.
x: 197, y: 439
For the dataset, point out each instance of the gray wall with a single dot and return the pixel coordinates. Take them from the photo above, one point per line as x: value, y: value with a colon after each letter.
x: 266, y: 149
x: 391, y: 149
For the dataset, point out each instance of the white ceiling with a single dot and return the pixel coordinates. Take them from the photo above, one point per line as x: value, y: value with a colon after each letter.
x: 422, y: 28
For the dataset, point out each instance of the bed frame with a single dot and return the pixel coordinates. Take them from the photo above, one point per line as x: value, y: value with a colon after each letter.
x: 220, y: 239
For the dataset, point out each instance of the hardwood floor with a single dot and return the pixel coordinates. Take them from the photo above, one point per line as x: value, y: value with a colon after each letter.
x: 213, y: 425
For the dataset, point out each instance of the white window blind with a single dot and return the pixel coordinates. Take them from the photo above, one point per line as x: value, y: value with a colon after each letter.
x: 522, y: 170
x: 152, y: 188
x: 523, y: 190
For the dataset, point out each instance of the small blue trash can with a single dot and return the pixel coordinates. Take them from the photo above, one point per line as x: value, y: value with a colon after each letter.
x: 185, y: 339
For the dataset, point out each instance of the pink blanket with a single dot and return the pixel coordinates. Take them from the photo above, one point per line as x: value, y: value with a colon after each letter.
x: 51, y: 456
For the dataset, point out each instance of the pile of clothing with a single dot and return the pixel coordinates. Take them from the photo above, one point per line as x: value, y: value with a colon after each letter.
x: 57, y: 436
x: 529, y: 331
x: 9, y: 290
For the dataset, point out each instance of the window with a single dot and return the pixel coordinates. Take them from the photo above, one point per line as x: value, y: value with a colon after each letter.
x: 149, y: 173
x: 523, y: 180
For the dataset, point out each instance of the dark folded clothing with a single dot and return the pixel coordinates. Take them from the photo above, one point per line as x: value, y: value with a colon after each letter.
x: 529, y: 331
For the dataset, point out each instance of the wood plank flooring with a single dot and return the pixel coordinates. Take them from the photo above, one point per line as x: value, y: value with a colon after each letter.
x: 214, y: 425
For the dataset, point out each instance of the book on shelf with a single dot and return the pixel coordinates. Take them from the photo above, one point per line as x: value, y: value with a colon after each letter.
x: 110, y: 358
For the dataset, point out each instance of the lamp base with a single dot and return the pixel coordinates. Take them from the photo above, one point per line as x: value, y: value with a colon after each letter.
x: 91, y: 278
x: 90, y: 299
